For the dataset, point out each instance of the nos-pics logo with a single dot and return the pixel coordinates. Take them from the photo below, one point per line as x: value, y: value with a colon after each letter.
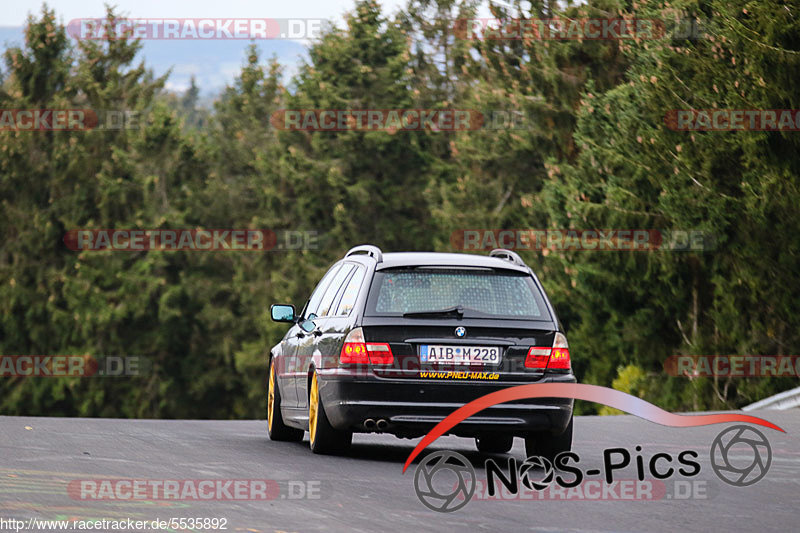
x: 445, y: 481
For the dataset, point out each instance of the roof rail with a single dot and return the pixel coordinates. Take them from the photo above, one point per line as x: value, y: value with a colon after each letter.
x: 368, y: 249
x: 508, y: 255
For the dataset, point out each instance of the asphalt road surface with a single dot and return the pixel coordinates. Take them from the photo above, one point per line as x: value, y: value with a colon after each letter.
x: 43, y: 462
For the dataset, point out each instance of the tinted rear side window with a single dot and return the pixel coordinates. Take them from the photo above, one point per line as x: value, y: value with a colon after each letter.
x: 319, y: 291
x: 333, y: 290
x: 350, y: 293
x: 481, y: 293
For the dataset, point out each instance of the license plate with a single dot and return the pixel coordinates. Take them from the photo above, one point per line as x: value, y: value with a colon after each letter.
x: 472, y: 355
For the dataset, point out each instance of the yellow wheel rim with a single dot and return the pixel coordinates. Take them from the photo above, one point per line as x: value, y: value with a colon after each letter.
x: 271, y: 396
x: 313, y: 409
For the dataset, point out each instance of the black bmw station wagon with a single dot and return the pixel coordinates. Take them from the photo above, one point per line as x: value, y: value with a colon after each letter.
x: 395, y: 342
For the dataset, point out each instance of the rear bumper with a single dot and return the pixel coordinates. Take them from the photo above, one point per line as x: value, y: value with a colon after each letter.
x: 413, y: 406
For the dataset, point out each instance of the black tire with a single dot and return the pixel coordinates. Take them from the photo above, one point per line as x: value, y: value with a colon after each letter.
x: 323, y: 437
x: 549, y: 445
x: 275, y: 427
x: 494, y: 443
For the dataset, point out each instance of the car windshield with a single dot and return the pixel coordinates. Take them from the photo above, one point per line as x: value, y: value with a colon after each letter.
x: 474, y: 293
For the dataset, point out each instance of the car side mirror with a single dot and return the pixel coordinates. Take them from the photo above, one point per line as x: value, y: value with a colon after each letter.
x: 308, y: 326
x: 282, y: 313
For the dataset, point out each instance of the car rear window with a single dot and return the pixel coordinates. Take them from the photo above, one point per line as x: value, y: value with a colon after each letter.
x: 481, y: 293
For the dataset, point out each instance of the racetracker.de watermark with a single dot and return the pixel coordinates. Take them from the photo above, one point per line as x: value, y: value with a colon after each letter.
x: 393, y: 120
x: 68, y: 119
x: 204, y: 240
x: 194, y: 29
x: 581, y: 29
x: 582, y: 239
x: 559, y: 28
x: 377, y: 119
x: 157, y: 490
x: 83, y: 366
x: 733, y: 119
x: 733, y: 366
x: 600, y: 490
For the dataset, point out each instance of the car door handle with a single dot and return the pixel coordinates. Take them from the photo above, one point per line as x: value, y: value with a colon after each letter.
x: 316, y: 333
x: 300, y: 335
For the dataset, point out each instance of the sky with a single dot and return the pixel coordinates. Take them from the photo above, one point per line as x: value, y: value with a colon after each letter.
x: 15, y: 12
x: 214, y: 64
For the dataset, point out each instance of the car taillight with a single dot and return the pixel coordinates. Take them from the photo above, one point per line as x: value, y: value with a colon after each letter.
x: 556, y: 357
x: 354, y: 351
x: 357, y: 352
x: 380, y: 353
x: 537, y: 357
x: 559, y: 359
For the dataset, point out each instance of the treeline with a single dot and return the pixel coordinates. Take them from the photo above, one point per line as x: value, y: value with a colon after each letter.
x: 592, y: 151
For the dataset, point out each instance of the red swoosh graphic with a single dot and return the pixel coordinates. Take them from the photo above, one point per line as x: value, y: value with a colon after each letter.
x: 590, y: 393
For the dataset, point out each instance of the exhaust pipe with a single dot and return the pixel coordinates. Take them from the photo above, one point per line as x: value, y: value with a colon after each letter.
x: 382, y: 424
x: 369, y: 424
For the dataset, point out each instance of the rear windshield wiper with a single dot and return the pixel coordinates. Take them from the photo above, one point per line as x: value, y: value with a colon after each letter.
x: 450, y: 311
